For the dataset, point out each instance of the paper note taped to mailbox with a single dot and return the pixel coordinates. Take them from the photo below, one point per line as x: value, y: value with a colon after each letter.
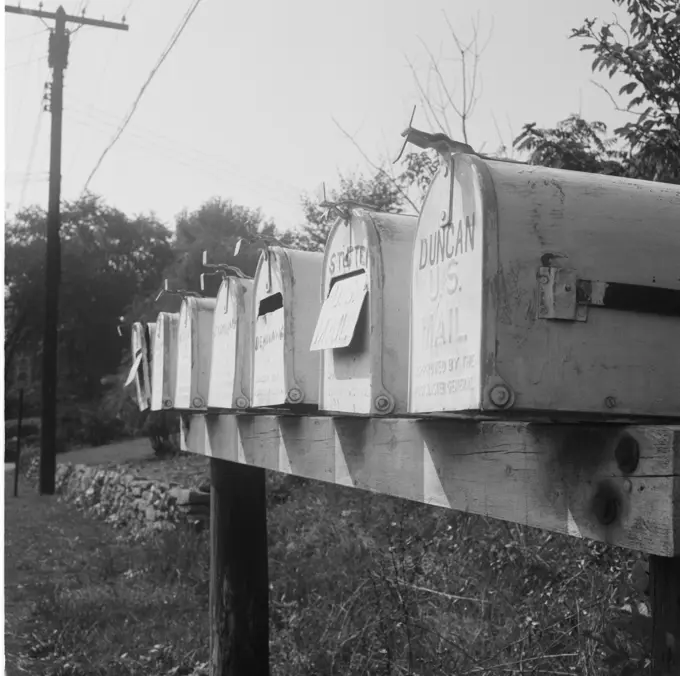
x: 340, y: 313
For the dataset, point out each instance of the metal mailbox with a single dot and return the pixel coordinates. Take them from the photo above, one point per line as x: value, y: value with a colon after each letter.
x: 194, y: 351
x: 286, y: 305
x: 363, y: 325
x: 164, y: 362
x: 230, y: 372
x: 139, y: 373
x: 547, y: 292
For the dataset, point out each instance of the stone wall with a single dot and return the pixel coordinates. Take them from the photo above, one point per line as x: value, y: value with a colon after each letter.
x: 128, y: 501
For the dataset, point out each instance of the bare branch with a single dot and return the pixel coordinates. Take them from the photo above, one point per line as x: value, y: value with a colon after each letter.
x: 434, y: 66
x: 424, y: 96
x: 613, y: 100
x: 375, y: 167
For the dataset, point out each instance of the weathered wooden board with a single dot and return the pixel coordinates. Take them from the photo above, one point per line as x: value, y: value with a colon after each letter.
x: 577, y: 480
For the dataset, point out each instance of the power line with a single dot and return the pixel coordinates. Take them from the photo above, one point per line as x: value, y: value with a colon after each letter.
x: 100, y: 82
x: 24, y: 37
x: 266, y: 181
x: 31, y: 155
x: 135, y: 104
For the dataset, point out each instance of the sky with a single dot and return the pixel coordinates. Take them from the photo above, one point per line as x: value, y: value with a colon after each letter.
x: 246, y: 104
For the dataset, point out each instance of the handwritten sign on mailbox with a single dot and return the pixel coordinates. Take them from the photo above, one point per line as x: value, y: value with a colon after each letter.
x: 340, y: 313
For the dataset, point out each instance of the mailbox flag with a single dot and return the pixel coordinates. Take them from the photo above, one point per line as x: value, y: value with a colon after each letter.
x: 134, y: 369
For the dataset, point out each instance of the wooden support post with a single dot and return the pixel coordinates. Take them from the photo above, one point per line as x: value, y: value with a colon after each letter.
x: 239, y: 581
x: 664, y: 587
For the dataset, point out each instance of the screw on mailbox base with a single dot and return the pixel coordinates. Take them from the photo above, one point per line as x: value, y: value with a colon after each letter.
x: 610, y: 402
x: 627, y: 454
x: 295, y: 395
x: 167, y: 403
x: 383, y: 403
x: 198, y: 402
x: 500, y: 396
x: 241, y: 402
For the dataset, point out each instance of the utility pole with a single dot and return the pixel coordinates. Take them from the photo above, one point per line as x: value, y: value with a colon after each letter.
x: 58, y: 60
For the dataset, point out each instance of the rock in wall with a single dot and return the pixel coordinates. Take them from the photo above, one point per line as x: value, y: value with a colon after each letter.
x: 129, y: 501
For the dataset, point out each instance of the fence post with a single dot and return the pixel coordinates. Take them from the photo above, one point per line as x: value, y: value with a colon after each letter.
x: 664, y: 590
x: 239, y: 581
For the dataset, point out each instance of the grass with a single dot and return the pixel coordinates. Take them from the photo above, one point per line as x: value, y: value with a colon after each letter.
x: 361, y: 584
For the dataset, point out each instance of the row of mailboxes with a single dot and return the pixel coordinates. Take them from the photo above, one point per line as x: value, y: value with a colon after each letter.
x: 518, y: 290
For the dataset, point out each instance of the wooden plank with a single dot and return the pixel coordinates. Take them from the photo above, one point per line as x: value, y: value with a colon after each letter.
x: 239, y: 582
x: 610, y: 483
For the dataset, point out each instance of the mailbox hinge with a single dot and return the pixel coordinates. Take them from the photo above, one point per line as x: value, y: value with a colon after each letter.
x: 562, y: 295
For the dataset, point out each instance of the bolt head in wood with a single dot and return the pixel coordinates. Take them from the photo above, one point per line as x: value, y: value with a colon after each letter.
x: 499, y: 396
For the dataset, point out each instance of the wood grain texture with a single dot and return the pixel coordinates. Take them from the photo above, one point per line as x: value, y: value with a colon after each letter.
x: 239, y: 582
x: 560, y: 478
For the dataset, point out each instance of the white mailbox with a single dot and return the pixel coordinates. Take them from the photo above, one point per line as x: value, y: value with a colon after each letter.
x: 286, y: 306
x: 545, y: 291
x: 232, y: 343
x: 139, y: 373
x: 149, y: 336
x: 164, y: 368
x: 164, y: 362
x: 194, y: 351
x: 362, y: 328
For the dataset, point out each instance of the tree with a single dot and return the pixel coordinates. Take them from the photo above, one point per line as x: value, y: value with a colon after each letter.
x: 574, y: 144
x: 107, y: 259
x: 216, y: 227
x: 447, y: 100
x: 379, y: 191
x: 647, y: 56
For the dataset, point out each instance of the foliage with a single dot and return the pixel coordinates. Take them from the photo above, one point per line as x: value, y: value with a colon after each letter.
x: 361, y: 583
x: 574, y: 144
x: 215, y: 227
x: 647, y: 57
x: 107, y: 258
x: 378, y: 191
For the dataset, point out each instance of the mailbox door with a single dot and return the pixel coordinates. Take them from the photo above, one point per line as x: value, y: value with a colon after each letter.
x: 269, y: 345
x: 158, y: 373
x: 194, y: 352
x: 136, y: 372
x: 150, y: 334
x: 286, y: 306
x: 348, y: 331
x: 165, y: 361
x: 232, y: 337
x: 448, y: 294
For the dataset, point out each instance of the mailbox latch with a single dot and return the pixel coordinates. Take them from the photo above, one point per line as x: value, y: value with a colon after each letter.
x: 562, y: 295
